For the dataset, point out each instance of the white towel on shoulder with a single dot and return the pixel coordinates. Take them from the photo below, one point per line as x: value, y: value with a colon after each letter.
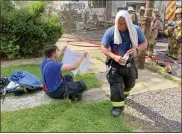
x: 131, y: 28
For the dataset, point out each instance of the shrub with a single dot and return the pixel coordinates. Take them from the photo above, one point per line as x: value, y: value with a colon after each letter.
x: 26, y: 31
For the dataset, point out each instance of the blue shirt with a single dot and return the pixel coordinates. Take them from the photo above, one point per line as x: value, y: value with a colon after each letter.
x: 52, y: 74
x: 108, y: 40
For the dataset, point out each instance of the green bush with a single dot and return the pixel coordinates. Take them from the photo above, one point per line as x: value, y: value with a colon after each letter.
x: 6, y: 5
x: 26, y: 31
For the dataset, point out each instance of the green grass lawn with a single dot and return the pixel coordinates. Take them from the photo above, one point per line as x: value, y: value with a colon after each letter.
x: 64, y: 116
x: 89, y: 78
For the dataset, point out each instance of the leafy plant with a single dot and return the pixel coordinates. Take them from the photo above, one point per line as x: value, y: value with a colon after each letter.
x: 27, y: 30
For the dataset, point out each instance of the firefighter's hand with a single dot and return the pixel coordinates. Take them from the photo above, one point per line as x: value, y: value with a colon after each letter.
x: 85, y: 54
x: 119, y: 59
x: 178, y: 37
x: 132, y: 52
x: 170, y: 29
x: 64, y: 48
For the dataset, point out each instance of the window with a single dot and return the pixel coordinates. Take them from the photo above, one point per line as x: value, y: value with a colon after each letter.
x: 79, y: 5
x: 61, y: 7
x: 97, y: 4
x: 104, y: 4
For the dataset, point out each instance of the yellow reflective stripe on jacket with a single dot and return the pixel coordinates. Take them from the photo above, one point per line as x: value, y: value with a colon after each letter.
x: 118, y: 104
x: 178, y: 36
x: 126, y: 93
x: 166, y: 31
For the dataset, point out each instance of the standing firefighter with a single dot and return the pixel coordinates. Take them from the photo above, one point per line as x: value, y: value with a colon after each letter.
x: 133, y: 15
x: 155, y: 26
x: 174, y: 34
x: 141, y: 14
x: 156, y: 11
x: 122, y: 38
x: 86, y: 16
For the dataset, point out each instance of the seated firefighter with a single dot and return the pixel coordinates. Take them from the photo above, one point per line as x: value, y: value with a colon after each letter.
x: 54, y: 84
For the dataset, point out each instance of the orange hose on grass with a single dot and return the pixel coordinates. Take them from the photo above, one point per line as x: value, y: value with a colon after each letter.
x: 165, y: 60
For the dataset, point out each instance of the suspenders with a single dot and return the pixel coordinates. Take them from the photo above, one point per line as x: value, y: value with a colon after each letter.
x: 43, y: 72
x: 43, y: 75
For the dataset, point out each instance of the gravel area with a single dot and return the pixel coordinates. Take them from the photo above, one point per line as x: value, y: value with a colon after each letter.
x: 156, y: 111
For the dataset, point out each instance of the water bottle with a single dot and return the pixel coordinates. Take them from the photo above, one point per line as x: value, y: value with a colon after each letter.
x: 126, y: 56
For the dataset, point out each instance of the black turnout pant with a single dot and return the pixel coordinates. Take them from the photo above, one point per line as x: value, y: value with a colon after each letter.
x: 121, y: 80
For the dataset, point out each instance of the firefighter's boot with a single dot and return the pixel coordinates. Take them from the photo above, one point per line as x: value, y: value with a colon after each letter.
x: 116, y: 111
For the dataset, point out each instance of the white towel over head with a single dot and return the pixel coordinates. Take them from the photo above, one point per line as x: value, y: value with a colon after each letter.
x: 131, y: 28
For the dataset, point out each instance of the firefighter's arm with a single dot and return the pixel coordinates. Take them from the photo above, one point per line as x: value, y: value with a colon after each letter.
x: 142, y: 43
x: 178, y: 37
x: 105, y: 44
x: 132, y: 17
x: 75, y: 65
x: 61, y: 51
x: 135, y: 51
x: 169, y: 31
x: 178, y: 30
x: 166, y: 32
x: 157, y: 25
x: 143, y: 46
x: 108, y: 53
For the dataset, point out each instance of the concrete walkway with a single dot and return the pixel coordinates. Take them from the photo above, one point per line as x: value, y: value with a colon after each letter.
x: 148, y: 83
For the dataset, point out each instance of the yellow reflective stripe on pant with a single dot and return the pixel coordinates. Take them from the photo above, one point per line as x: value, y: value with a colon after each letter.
x: 118, y: 104
x: 126, y: 93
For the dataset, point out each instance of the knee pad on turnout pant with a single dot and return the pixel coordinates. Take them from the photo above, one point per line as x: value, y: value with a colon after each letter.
x: 117, y: 92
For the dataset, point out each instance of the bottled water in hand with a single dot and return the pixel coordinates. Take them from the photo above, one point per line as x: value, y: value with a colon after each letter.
x: 126, y: 56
